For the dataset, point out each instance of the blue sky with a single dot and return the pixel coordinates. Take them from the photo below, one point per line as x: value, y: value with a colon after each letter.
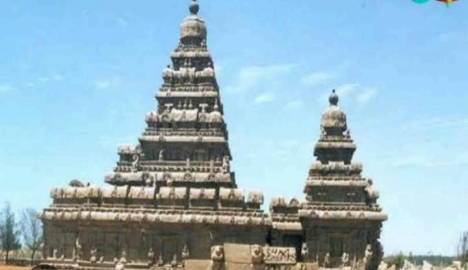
x: 77, y: 77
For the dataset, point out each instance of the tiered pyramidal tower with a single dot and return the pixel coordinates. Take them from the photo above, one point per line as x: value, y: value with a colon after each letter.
x: 185, y: 143
x: 339, y: 223
x: 173, y: 198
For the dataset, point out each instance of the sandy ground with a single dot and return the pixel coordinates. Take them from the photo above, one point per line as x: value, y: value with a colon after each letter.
x: 11, y: 267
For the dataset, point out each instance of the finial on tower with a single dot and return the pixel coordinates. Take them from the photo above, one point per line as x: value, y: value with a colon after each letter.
x: 194, y: 7
x: 333, y: 98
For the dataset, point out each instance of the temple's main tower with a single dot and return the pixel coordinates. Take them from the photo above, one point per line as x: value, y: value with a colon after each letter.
x: 173, y: 200
x: 185, y: 143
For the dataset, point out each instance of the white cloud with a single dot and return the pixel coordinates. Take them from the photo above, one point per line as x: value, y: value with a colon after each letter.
x: 43, y: 80
x: 264, y: 98
x: 437, y: 123
x: 107, y: 83
x: 351, y: 92
x: 366, y: 95
x: 342, y: 91
x: 56, y: 77
x: 402, y: 161
x: 251, y: 77
x: 346, y: 89
x: 295, y: 104
x: 428, y: 161
x: 6, y: 88
x: 318, y: 78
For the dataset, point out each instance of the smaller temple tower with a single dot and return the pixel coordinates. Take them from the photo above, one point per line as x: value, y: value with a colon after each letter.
x: 341, y: 217
x: 339, y: 224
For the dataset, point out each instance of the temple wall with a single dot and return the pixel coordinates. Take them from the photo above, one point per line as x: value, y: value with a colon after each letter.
x: 62, y: 241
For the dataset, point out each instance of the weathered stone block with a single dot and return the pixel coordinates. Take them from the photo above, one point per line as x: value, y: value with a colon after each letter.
x: 237, y: 253
x: 237, y: 266
x: 197, y: 264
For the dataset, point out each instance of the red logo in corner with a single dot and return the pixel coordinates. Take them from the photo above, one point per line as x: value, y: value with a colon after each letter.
x: 447, y: 2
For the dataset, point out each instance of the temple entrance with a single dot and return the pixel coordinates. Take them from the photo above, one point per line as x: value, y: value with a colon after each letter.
x: 294, y: 241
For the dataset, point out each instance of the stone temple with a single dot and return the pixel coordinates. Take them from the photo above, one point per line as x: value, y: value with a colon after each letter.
x: 173, y: 201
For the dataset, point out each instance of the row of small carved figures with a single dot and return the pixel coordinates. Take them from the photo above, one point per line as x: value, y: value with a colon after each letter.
x: 189, y: 60
x: 137, y: 150
x: 193, y: 46
x: 259, y: 255
x: 164, y: 193
x: 202, y: 88
x: 350, y: 207
x: 280, y: 202
x: 326, y: 260
x: 186, y: 116
x: 77, y: 255
x: 125, y: 168
x: 138, y: 166
x: 345, y: 136
x: 336, y: 167
x: 205, y: 130
x: 188, y: 75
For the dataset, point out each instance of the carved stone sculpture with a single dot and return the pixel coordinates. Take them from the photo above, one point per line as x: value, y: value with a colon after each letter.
x: 123, y: 258
x: 185, y: 253
x: 304, y: 251
x: 78, y: 250
x: 119, y: 266
x: 160, y: 259
x: 367, y: 256
x: 371, y: 192
x: 279, y: 255
x: 174, y: 260
x: 161, y: 155
x: 217, y: 258
x: 93, y: 255
x: 226, y: 165
x: 76, y: 183
x: 345, y: 259
x: 136, y: 163
x: 150, y: 256
x: 326, y: 260
x: 257, y: 257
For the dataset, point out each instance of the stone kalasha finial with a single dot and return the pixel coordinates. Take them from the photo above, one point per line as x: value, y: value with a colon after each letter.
x: 333, y: 98
x: 194, y: 7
